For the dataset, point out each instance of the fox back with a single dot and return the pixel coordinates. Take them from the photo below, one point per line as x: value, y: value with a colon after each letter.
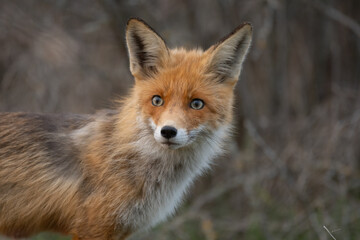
x: 106, y: 175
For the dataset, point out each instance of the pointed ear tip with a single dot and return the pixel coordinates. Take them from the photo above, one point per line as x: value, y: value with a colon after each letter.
x: 246, y: 26
x: 131, y: 21
x: 135, y: 21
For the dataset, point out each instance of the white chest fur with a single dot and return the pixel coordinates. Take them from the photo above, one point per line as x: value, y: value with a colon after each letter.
x: 172, y: 177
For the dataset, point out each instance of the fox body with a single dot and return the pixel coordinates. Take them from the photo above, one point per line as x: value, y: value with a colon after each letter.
x: 106, y: 175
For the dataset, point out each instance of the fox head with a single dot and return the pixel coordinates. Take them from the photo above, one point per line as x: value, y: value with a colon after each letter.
x: 184, y: 96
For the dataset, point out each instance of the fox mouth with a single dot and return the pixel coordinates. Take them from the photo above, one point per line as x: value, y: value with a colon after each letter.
x: 168, y: 143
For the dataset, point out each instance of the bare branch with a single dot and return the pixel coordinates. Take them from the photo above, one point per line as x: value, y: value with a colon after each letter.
x: 338, y: 16
x: 329, y: 232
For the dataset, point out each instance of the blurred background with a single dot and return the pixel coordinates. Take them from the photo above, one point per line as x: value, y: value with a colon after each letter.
x: 294, y: 164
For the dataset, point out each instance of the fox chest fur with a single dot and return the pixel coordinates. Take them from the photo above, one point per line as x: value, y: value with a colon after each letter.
x: 106, y: 175
x: 152, y: 179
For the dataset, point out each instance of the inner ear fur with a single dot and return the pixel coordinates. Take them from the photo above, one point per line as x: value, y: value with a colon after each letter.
x: 227, y: 56
x: 147, y: 50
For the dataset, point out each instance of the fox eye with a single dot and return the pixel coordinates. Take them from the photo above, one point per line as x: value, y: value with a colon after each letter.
x: 157, y: 101
x: 197, y: 104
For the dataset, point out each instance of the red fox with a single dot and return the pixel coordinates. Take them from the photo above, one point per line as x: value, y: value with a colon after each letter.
x: 107, y: 175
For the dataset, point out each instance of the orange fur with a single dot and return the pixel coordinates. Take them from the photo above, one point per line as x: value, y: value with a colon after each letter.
x: 106, y: 175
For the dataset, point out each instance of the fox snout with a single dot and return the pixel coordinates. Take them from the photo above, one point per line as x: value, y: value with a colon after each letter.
x: 169, y: 135
x: 168, y: 132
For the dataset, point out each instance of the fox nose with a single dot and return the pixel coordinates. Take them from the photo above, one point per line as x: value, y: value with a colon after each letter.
x: 168, y: 132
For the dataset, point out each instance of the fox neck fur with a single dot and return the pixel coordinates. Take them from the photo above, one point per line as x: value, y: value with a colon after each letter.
x: 153, y: 179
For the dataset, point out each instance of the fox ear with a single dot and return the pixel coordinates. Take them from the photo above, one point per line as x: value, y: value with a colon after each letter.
x: 147, y: 50
x: 227, y: 56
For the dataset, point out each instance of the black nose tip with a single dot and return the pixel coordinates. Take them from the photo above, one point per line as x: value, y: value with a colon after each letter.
x: 168, y: 132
